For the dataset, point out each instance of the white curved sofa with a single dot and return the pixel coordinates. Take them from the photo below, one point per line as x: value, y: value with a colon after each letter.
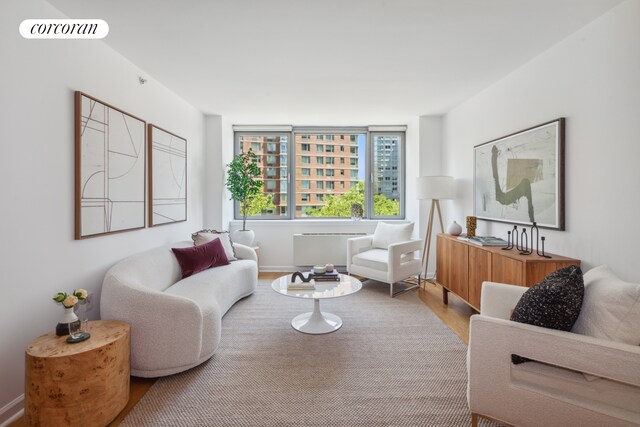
x: 175, y: 324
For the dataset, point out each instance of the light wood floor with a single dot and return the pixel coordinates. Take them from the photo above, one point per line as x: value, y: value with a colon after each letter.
x: 455, y: 316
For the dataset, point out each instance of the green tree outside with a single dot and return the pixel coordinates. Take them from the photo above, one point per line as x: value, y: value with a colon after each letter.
x: 259, y: 203
x: 340, y: 205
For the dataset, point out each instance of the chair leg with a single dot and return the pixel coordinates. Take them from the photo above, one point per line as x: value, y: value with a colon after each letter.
x: 474, y: 420
x: 402, y: 290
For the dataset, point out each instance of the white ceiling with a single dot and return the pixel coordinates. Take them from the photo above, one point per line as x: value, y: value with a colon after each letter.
x: 332, y: 61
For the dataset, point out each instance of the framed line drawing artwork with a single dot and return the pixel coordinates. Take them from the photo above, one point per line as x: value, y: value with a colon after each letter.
x: 519, y: 178
x: 167, y: 176
x: 110, y: 169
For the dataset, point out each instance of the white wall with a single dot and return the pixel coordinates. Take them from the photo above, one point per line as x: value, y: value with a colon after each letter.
x: 214, y: 173
x: 593, y: 79
x: 38, y: 253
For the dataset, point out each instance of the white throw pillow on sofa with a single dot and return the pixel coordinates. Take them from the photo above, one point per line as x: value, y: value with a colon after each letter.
x: 610, y: 308
x: 387, y: 234
x: 205, y: 236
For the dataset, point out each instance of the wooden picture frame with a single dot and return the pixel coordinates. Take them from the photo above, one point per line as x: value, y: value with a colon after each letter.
x: 167, y: 176
x: 519, y: 178
x: 110, y: 169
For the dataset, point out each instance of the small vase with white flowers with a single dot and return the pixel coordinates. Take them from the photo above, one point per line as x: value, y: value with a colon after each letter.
x: 68, y: 302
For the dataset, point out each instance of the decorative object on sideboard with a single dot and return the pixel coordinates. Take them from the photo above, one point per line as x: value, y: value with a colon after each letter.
x: 472, y: 223
x: 435, y: 188
x: 519, y: 178
x: 110, y: 169
x: 524, y: 243
x: 68, y: 302
x: 509, y: 242
x: 515, y: 236
x: 356, y: 211
x: 521, y: 241
x: 245, y: 187
x: 167, y: 176
x: 543, y: 254
x: 536, y: 230
x: 454, y: 229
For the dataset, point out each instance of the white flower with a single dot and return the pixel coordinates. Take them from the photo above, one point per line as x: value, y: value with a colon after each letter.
x: 70, y: 301
x: 81, y: 294
x: 59, y: 297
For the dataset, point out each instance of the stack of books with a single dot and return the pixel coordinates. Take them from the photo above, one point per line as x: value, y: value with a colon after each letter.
x: 484, y: 240
x: 333, y: 276
x: 301, y: 286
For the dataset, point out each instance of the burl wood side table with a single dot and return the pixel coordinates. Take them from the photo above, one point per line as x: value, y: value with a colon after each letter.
x: 82, y: 384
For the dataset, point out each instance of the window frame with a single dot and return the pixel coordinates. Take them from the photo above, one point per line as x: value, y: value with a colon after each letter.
x: 237, y: 149
x: 401, y: 173
x: 291, y: 179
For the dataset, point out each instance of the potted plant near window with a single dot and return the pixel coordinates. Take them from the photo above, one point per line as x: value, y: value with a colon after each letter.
x: 246, y: 188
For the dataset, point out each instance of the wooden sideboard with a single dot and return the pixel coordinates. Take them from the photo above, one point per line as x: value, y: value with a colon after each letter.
x: 461, y: 267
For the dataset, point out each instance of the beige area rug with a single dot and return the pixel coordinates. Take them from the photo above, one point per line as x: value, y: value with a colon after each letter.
x: 393, y: 363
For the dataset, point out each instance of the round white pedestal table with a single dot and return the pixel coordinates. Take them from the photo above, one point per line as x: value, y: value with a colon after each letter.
x: 316, y: 321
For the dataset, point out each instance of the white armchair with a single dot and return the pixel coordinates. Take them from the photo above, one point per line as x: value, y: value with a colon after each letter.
x: 554, y: 390
x: 386, y: 256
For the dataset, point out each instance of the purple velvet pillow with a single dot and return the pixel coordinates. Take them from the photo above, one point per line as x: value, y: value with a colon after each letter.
x: 198, y: 258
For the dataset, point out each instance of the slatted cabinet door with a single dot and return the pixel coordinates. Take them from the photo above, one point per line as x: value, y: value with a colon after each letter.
x: 463, y: 266
x: 479, y: 271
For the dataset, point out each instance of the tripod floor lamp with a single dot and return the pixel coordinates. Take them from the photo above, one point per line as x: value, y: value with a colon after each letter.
x: 435, y: 188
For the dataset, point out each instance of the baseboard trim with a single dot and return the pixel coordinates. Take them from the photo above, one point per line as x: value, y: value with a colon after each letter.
x: 12, y: 411
x: 278, y: 268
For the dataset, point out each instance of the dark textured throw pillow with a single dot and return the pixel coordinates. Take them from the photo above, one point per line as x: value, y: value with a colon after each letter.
x: 198, y: 258
x: 553, y: 303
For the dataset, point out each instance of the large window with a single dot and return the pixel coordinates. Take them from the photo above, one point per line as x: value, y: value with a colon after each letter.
x: 358, y: 165
x: 385, y: 172
x: 272, y: 151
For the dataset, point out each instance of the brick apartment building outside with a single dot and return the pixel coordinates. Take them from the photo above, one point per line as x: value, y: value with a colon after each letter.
x: 325, y: 164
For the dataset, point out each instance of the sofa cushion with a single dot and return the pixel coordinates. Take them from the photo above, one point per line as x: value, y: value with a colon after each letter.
x: 218, y: 288
x: 203, y: 236
x: 199, y: 258
x: 387, y: 234
x: 553, y: 303
x: 377, y: 259
x: 611, y: 307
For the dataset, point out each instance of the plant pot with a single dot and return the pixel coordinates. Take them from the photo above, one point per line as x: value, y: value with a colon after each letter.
x: 244, y: 237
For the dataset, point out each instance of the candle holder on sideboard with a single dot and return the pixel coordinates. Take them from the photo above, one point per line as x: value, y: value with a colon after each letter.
x: 542, y: 254
x: 509, y: 242
x: 524, y: 243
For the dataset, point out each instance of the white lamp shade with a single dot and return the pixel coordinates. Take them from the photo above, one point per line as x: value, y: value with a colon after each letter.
x: 436, y: 187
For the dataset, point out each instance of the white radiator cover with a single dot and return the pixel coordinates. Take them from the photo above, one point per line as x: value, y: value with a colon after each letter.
x: 311, y: 249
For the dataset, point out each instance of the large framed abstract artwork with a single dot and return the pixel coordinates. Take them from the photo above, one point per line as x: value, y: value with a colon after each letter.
x: 519, y: 178
x: 110, y: 169
x: 168, y: 177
